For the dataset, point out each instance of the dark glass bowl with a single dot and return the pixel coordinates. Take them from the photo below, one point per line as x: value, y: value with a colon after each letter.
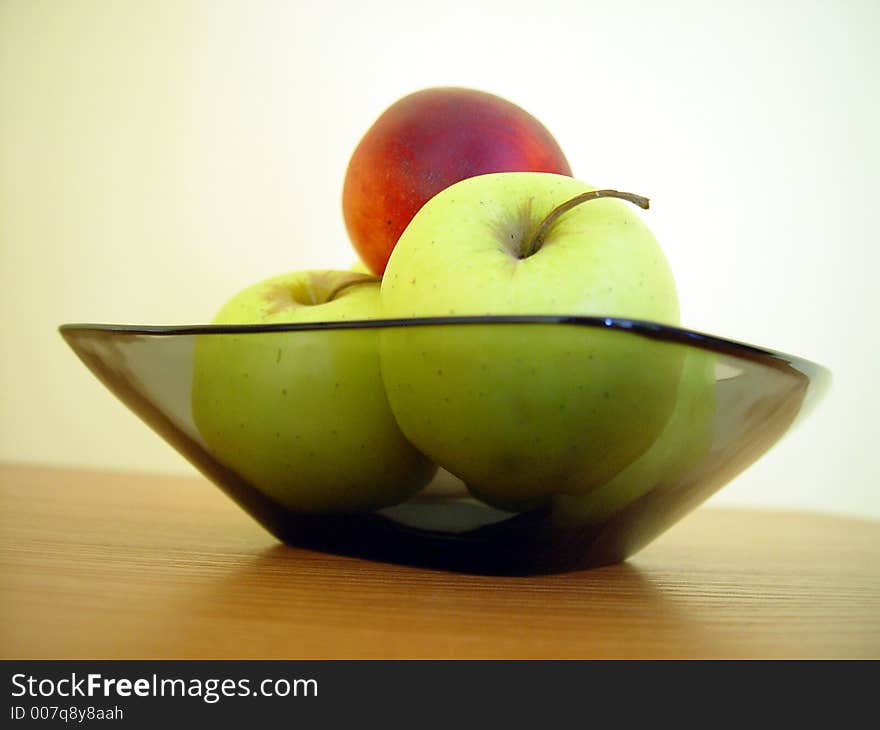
x: 562, y: 442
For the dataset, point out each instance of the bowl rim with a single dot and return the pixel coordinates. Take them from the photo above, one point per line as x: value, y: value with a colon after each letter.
x: 643, y: 328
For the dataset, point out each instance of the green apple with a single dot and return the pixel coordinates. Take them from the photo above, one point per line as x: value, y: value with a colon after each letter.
x: 522, y: 412
x: 303, y: 415
x: 681, y: 446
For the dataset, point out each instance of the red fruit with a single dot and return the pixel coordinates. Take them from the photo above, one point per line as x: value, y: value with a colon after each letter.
x: 424, y: 143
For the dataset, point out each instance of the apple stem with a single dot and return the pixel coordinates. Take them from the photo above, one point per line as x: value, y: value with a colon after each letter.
x: 360, y: 279
x: 537, y: 240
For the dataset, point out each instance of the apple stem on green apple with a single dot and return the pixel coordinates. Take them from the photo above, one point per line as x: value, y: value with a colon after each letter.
x: 534, y: 244
x: 356, y: 280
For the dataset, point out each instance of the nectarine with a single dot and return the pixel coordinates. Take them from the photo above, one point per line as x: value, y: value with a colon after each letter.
x: 424, y: 143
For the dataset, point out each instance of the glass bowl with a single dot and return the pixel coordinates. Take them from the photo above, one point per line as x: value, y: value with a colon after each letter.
x: 497, y: 444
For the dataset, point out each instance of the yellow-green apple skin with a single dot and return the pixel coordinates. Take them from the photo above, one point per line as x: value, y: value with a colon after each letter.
x: 524, y: 412
x: 303, y: 415
x: 682, y: 445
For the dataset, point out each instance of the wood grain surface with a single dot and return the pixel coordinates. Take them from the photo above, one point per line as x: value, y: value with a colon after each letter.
x: 114, y: 565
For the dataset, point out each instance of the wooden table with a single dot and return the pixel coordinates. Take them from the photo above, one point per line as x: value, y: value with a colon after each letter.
x: 111, y: 565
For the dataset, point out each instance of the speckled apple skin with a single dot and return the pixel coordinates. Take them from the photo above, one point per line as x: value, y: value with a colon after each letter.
x: 681, y: 447
x: 522, y: 413
x: 303, y: 416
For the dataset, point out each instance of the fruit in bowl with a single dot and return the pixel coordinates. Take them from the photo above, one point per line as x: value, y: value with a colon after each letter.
x: 530, y: 348
x: 424, y: 143
x: 523, y: 414
x: 723, y: 419
x: 304, y: 418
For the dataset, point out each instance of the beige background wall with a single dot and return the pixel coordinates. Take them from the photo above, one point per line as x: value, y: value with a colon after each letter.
x: 157, y: 156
